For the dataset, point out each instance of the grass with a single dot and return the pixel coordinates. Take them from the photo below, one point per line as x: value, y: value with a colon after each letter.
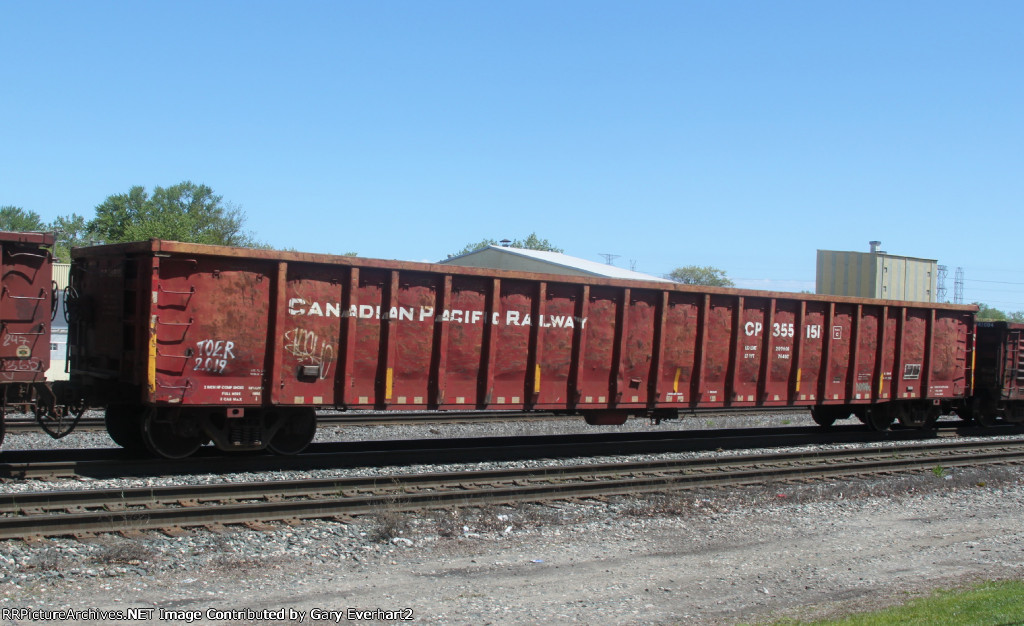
x: 994, y: 603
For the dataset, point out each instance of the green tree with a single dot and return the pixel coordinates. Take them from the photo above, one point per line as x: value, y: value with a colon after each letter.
x: 700, y: 275
x: 182, y: 212
x: 989, y: 314
x: 533, y: 242
x: 71, y: 231
x: 17, y: 219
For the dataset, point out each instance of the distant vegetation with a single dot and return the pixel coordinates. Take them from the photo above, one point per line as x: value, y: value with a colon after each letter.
x: 700, y: 275
x: 533, y: 242
x: 183, y: 212
x: 989, y: 314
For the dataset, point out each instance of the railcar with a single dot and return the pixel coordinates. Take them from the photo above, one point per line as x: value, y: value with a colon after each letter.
x: 999, y: 379
x: 187, y: 343
x: 27, y: 306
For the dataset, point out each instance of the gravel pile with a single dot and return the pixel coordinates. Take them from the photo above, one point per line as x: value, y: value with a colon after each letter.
x: 714, y: 556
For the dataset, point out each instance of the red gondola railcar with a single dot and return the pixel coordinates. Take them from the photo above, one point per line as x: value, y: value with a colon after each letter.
x: 26, y: 306
x: 189, y: 342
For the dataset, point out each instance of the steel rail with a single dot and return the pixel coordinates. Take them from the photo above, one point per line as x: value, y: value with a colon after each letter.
x: 347, y: 497
x: 116, y: 463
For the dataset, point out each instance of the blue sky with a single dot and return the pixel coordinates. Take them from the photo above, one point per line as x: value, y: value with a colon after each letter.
x: 743, y: 135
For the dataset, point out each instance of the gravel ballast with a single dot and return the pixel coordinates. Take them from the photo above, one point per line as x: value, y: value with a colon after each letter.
x: 723, y: 556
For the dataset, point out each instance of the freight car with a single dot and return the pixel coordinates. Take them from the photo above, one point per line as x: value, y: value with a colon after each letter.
x: 999, y: 379
x: 27, y: 306
x: 185, y: 344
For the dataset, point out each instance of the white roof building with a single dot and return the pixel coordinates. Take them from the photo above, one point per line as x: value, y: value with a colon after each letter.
x: 543, y: 262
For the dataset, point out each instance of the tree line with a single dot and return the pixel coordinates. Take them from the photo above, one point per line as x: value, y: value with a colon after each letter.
x: 183, y: 212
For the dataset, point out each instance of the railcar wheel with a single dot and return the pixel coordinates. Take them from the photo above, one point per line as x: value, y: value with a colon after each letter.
x: 879, y: 418
x: 986, y: 419
x: 170, y: 434
x: 124, y: 425
x: 966, y: 413
x: 296, y: 432
x: 823, y: 416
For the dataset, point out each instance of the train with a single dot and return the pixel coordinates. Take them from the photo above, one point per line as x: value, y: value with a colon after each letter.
x: 183, y: 345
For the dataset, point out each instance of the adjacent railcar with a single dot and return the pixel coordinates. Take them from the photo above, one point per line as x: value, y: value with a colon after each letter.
x: 26, y: 306
x: 999, y: 379
x: 188, y: 343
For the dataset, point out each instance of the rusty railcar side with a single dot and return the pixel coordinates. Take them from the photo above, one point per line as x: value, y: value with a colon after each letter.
x: 999, y: 378
x: 26, y: 306
x: 242, y: 344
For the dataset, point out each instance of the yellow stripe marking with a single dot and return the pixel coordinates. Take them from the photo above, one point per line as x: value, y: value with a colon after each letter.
x: 675, y: 383
x: 798, y: 372
x: 389, y: 383
x: 536, y: 380
x: 151, y: 365
x: 974, y: 355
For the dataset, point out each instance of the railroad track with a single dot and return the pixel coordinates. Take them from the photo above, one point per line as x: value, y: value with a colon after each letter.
x: 106, y: 463
x: 390, y: 418
x: 123, y: 510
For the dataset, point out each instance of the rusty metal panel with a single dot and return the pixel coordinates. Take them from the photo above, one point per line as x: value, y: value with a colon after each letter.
x: 1000, y: 366
x: 414, y: 335
x: 26, y: 300
x: 949, y: 355
x: 680, y: 346
x: 512, y: 344
x: 635, y: 372
x: 598, y: 361
x: 308, y: 335
x: 208, y: 324
x: 556, y: 330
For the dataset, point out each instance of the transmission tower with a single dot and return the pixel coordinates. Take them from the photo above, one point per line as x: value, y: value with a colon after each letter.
x: 958, y: 286
x: 940, y: 291
x: 608, y: 258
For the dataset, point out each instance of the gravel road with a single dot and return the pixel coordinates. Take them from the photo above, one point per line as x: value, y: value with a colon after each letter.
x: 804, y: 550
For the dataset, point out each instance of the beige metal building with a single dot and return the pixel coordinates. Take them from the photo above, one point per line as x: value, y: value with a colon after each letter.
x: 876, y: 274
x: 543, y: 262
x: 59, y: 328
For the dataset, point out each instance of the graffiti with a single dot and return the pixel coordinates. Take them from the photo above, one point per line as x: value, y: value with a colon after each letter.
x: 213, y: 356
x: 23, y: 365
x: 15, y: 340
x: 310, y: 349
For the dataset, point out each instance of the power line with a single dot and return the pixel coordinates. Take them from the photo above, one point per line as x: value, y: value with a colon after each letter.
x: 997, y: 282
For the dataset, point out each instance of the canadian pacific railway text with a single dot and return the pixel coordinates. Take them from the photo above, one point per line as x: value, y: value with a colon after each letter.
x: 299, y: 306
